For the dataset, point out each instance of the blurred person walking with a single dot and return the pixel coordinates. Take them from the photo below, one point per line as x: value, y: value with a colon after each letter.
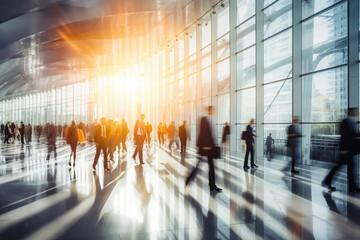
x: 7, y: 132
x: 123, y: 134
x: 160, y: 133
x: 349, y: 147
x: 100, y: 138
x: 293, y: 142
x: 225, y: 138
x: 22, y: 132
x: 183, y: 135
x: 51, y: 134
x: 269, y: 142
x: 72, y: 139
x: 139, y: 137
x: 206, y: 147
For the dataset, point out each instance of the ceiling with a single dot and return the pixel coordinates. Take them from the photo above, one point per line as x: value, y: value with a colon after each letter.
x: 45, y: 43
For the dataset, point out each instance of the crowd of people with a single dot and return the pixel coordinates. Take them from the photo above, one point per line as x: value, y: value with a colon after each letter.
x: 110, y: 135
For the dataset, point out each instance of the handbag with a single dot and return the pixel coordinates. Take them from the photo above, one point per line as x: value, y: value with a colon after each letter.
x: 214, y: 152
x: 243, y: 135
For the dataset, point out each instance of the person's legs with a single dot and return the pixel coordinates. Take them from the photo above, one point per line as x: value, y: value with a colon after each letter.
x: 49, y: 151
x: 251, y: 150
x: 104, y: 148
x: 350, y: 172
x: 170, y: 143
x: 141, y: 144
x: 136, y: 148
x: 211, y: 173
x: 54, y: 147
x: 246, y: 156
x: 97, y: 154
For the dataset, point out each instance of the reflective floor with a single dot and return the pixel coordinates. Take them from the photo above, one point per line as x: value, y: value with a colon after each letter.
x: 41, y: 200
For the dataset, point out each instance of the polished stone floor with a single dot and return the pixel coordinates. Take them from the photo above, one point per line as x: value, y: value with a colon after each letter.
x: 41, y: 200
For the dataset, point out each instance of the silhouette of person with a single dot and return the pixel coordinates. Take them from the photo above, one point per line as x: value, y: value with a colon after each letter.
x: 269, y: 142
x: 160, y: 133
x: 249, y: 140
x: 139, y: 137
x: 183, y: 135
x: 349, y: 146
x: 72, y: 139
x: 51, y: 140
x: 206, y: 144
x: 294, y: 136
x: 100, y: 137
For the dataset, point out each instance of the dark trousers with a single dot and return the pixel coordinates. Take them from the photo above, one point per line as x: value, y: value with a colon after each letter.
x: 211, y: 172
x: 268, y: 149
x: 22, y: 138
x: 7, y: 136
x: 139, y: 141
x: 344, y: 159
x: 249, y: 150
x: 183, y: 145
x: 51, y: 147
x: 100, y: 147
x: 295, y: 152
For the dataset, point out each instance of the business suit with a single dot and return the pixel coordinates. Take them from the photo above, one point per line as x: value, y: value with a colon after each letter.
x: 183, y: 137
x: 139, y: 137
x: 249, y: 140
x: 293, y: 142
x: 7, y: 133
x: 206, y: 140
x: 100, y: 137
x: 348, y: 143
x: 22, y: 133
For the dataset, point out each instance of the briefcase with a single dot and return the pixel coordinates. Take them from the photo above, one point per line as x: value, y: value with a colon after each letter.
x: 243, y: 135
x: 214, y: 152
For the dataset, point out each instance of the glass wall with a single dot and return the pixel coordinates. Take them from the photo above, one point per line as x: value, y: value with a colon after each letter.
x: 241, y: 56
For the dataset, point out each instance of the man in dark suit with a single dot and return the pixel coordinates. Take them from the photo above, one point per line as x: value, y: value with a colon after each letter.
x: 139, y: 137
x: 249, y: 140
x: 293, y: 143
x: 51, y: 135
x: 183, y: 137
x: 269, y: 142
x: 205, y: 146
x: 349, y: 146
x: 100, y: 138
x: 22, y: 132
x: 8, y: 133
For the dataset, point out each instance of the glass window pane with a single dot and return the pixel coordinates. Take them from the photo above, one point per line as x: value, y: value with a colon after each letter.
x: 223, y: 21
x: 223, y: 111
x: 277, y: 17
x: 206, y: 57
x: 223, y: 47
x: 181, y: 49
x: 206, y: 82
x: 277, y: 57
x: 324, y: 42
x: 223, y: 76
x: 279, y: 135
x: 245, y: 9
x: 321, y: 142
x: 206, y: 33
x: 246, y: 34
x: 192, y: 64
x: 245, y: 105
x: 278, y: 102
x: 246, y: 68
x: 310, y: 7
x: 192, y: 43
x: 325, y: 95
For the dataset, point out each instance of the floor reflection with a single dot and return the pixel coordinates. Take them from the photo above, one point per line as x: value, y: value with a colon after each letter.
x: 40, y: 200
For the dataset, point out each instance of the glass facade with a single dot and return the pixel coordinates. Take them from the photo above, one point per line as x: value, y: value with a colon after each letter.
x: 240, y: 57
